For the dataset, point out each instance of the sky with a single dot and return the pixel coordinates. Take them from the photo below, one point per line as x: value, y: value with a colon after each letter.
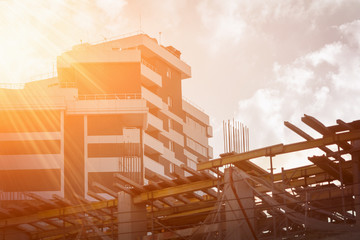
x: 258, y: 62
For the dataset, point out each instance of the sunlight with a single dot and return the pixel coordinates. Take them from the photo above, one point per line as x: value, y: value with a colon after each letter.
x: 31, y: 36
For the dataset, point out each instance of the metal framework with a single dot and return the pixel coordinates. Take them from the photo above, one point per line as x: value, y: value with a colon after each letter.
x: 297, y: 203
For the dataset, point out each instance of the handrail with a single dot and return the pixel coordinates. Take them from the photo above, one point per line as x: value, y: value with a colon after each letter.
x: 110, y: 96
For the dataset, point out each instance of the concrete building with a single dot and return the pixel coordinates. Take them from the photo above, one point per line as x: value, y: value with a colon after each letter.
x: 115, y: 107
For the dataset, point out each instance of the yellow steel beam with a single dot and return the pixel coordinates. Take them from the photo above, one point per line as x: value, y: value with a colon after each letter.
x: 279, y: 149
x: 59, y: 212
x: 299, y: 172
x: 320, y: 176
x: 331, y: 194
x: 170, y: 191
x: 306, y: 171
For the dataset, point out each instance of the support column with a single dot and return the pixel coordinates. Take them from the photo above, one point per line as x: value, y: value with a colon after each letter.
x: 131, y: 218
x: 238, y: 225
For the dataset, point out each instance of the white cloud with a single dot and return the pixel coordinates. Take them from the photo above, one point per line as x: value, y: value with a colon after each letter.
x: 112, y: 8
x: 293, y: 77
x: 328, y: 54
x: 223, y: 21
x: 352, y: 31
x: 304, y: 87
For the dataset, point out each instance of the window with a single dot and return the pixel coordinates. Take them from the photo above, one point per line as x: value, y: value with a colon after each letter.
x: 172, y: 168
x: 171, y: 146
x: 170, y: 101
x: 168, y: 73
x: 170, y: 124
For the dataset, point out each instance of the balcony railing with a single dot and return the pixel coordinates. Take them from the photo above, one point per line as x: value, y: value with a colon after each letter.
x: 110, y: 96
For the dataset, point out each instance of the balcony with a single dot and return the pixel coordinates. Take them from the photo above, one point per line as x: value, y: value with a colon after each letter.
x: 149, y: 77
x: 174, y: 136
x: 152, y: 98
x: 196, y: 112
x: 171, y: 115
x: 181, y: 66
x: 153, y: 166
x: 105, y: 164
x: 113, y: 139
x: 155, y: 124
x: 22, y: 100
x: 30, y: 136
x: 196, y: 134
x: 190, y: 156
x: 152, y: 145
x: 31, y: 161
x: 107, y: 103
x: 170, y: 156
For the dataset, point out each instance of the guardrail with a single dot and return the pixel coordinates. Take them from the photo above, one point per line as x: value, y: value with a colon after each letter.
x: 110, y: 96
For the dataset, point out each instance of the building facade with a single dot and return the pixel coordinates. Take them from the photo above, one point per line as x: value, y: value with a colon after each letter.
x: 114, y: 107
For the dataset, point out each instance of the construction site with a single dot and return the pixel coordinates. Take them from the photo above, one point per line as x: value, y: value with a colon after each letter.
x: 109, y: 149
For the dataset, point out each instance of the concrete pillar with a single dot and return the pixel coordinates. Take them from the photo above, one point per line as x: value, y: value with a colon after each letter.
x: 131, y: 218
x: 236, y: 225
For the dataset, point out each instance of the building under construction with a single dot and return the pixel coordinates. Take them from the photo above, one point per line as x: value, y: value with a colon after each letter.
x: 110, y: 150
